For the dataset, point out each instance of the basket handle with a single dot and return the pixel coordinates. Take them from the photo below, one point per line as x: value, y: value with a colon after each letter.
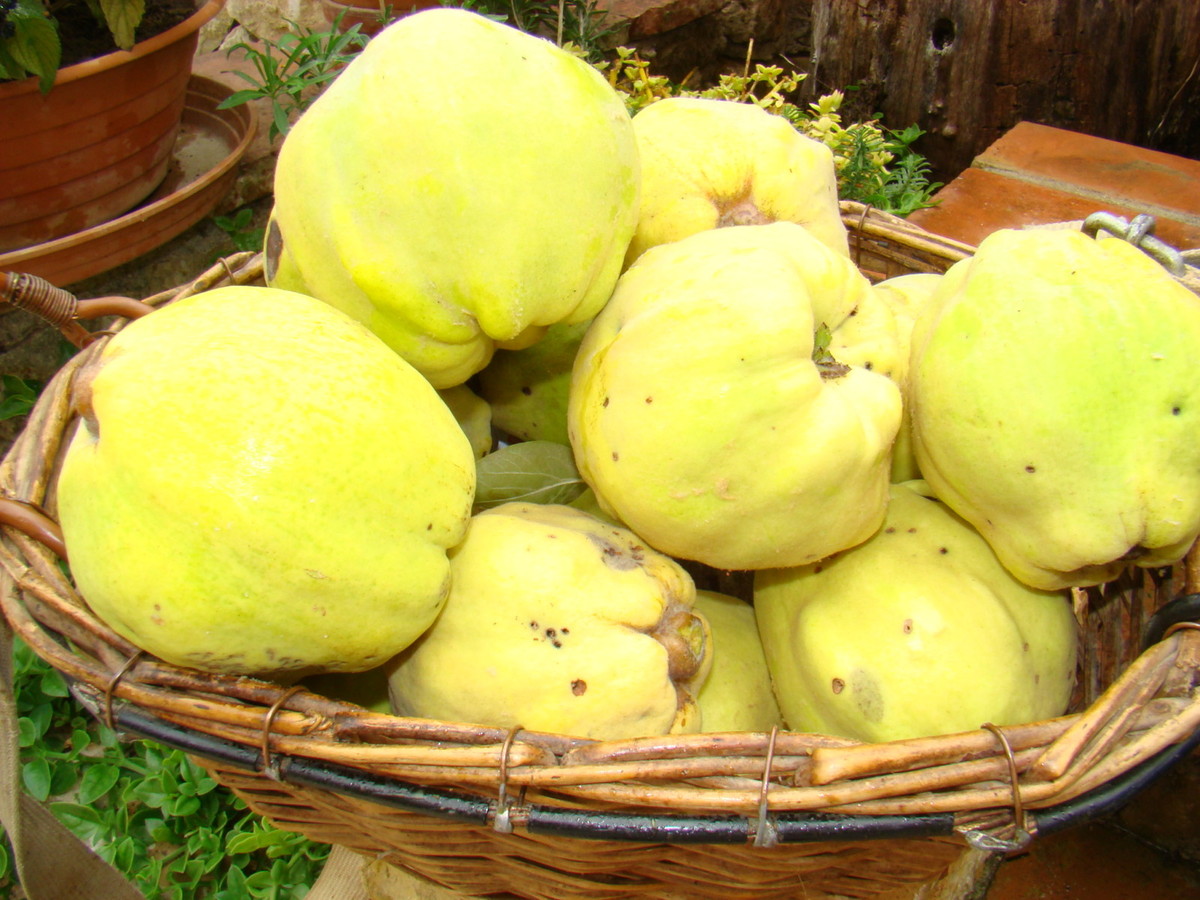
x: 62, y: 309
x: 34, y: 523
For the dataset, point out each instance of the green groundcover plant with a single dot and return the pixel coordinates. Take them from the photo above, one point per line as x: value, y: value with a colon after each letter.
x: 148, y: 809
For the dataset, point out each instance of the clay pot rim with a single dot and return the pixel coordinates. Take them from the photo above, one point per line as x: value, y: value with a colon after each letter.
x: 89, y: 67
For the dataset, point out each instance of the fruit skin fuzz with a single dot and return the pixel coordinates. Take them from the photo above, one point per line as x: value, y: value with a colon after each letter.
x: 457, y: 215
x: 918, y: 631
x: 732, y: 404
x: 1055, y: 404
x: 260, y: 486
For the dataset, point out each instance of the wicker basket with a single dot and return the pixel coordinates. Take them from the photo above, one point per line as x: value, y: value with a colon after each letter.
x: 722, y: 816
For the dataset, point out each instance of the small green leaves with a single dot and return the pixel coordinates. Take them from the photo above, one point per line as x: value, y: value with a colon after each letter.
x: 17, y: 396
x: 148, y: 809
x: 530, y: 472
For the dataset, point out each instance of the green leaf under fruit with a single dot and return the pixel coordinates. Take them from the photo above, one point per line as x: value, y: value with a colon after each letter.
x: 529, y: 472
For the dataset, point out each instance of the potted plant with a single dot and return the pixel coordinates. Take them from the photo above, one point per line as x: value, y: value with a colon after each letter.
x: 88, y: 132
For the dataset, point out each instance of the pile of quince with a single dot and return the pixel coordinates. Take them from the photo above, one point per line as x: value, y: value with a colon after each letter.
x: 652, y: 325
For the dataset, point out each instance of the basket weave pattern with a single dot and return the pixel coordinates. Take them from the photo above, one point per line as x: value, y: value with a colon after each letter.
x: 483, y: 810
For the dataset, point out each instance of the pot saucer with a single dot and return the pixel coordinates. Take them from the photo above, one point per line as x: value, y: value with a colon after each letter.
x: 204, y: 161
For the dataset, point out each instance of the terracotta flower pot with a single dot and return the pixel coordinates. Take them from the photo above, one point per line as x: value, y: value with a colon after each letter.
x: 99, y: 142
x: 367, y: 13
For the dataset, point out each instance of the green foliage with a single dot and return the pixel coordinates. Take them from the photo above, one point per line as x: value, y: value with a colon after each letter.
x: 148, y: 809
x: 292, y: 71
x: 29, y: 40
x: 239, y: 226
x: 528, y: 472
x: 17, y: 396
x: 874, y: 165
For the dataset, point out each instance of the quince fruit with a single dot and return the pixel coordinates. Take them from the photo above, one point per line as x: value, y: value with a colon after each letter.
x: 717, y: 409
x: 737, y: 695
x: 258, y: 485
x: 711, y: 163
x: 474, y: 416
x: 528, y: 388
x: 558, y: 621
x: 905, y: 296
x: 455, y: 210
x: 1055, y: 404
x: 918, y: 631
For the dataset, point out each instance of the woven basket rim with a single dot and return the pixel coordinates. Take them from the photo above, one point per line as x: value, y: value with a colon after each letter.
x: 733, y: 782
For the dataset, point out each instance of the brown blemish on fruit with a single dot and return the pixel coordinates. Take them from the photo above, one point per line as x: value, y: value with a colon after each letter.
x: 273, y: 250
x: 867, y: 695
x: 613, y: 555
x: 649, y: 399
x: 908, y: 626
x: 578, y: 687
x: 526, y: 390
x: 1030, y: 469
x: 604, y: 405
x: 838, y: 685
x: 616, y: 456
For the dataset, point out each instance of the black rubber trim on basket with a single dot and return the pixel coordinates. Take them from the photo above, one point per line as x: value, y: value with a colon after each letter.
x: 627, y: 826
x: 1184, y: 608
x: 787, y: 828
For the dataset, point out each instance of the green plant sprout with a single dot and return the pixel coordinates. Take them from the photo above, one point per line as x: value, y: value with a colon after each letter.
x: 294, y: 69
x: 239, y: 227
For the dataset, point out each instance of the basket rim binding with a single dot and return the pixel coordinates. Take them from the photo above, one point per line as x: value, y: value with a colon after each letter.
x: 758, y: 789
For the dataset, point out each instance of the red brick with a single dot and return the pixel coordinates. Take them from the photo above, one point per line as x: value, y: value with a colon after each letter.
x: 1037, y: 175
x: 1160, y: 183
x: 978, y: 202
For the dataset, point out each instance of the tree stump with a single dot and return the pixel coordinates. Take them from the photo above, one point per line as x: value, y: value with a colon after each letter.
x: 966, y: 72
